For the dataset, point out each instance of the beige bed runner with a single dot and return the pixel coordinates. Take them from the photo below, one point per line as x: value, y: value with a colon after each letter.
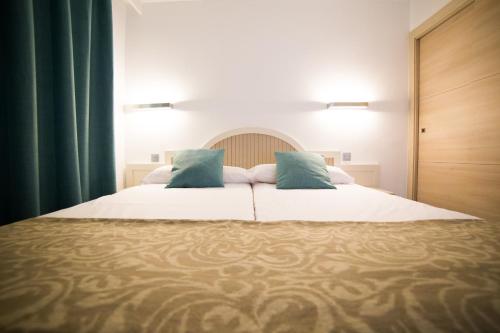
x: 69, y: 275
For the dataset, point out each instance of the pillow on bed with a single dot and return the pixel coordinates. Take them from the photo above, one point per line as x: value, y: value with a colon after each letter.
x: 301, y: 170
x: 198, y: 168
x: 231, y: 174
x: 159, y: 175
x: 339, y: 176
x: 236, y: 175
x: 263, y: 173
x: 266, y: 173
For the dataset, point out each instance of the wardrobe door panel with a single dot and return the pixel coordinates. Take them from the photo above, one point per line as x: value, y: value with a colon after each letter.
x: 472, y: 189
x: 462, y: 125
x: 463, y: 49
x: 459, y: 112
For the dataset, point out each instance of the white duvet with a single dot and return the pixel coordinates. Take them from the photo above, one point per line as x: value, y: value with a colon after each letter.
x: 234, y: 201
x: 347, y: 203
x: 263, y: 203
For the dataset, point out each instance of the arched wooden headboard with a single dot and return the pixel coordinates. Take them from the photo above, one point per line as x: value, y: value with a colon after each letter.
x: 248, y: 147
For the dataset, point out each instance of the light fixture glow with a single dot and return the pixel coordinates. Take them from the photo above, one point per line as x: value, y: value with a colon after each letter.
x: 347, y: 105
x: 150, y: 106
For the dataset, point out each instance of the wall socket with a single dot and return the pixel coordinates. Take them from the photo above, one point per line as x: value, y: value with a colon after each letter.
x: 155, y: 158
x: 346, y: 157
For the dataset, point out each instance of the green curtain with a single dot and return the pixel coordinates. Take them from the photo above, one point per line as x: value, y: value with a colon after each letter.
x: 57, y: 105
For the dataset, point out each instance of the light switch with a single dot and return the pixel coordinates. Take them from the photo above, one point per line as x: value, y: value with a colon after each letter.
x: 155, y: 158
x: 346, y: 157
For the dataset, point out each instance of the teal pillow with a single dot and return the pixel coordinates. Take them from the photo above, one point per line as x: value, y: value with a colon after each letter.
x: 197, y: 168
x: 301, y: 170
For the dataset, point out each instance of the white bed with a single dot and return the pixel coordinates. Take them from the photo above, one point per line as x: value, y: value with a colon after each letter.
x: 233, y: 202
x: 347, y: 203
x: 262, y: 201
x: 230, y: 275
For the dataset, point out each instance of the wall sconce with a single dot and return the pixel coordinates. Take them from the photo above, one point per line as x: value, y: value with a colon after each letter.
x: 347, y: 105
x: 149, y: 106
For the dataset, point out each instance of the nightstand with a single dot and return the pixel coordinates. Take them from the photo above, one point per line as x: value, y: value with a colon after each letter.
x: 134, y: 173
x: 366, y: 174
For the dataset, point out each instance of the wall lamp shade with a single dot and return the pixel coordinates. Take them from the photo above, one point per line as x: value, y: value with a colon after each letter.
x: 347, y: 105
x: 149, y: 106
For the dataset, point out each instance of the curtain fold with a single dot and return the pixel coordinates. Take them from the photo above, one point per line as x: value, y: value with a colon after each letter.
x: 57, y: 105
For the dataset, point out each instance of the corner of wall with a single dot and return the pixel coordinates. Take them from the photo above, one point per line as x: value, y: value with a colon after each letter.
x: 119, y: 27
x: 421, y: 10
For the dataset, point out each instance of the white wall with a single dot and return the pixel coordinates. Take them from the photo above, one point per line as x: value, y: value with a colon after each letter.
x: 421, y: 10
x: 228, y: 64
x: 119, y: 26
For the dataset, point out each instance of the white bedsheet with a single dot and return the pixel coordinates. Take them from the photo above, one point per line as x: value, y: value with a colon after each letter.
x: 347, y: 203
x: 234, y: 201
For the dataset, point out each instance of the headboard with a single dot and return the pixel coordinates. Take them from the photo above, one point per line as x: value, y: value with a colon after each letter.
x: 251, y: 146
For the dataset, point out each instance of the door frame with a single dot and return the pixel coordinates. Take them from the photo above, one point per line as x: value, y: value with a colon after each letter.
x: 452, y: 8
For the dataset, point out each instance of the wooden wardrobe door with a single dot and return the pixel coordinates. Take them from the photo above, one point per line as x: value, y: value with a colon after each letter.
x: 459, y: 112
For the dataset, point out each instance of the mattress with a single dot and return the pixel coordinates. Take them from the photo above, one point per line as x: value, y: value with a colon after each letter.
x: 347, y: 203
x: 115, y: 275
x: 232, y: 202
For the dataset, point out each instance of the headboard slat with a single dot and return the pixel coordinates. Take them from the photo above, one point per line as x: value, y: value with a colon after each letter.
x: 247, y: 149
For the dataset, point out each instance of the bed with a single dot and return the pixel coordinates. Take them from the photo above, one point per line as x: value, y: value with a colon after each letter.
x: 153, y: 201
x: 348, y: 203
x: 245, y: 259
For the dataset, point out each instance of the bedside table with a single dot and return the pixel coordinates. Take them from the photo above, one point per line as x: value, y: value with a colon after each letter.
x: 366, y: 174
x: 134, y: 173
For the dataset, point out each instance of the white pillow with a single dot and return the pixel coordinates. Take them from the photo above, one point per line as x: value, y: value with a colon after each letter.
x: 263, y: 173
x: 159, y: 175
x: 266, y: 173
x: 231, y: 174
x: 339, y: 176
